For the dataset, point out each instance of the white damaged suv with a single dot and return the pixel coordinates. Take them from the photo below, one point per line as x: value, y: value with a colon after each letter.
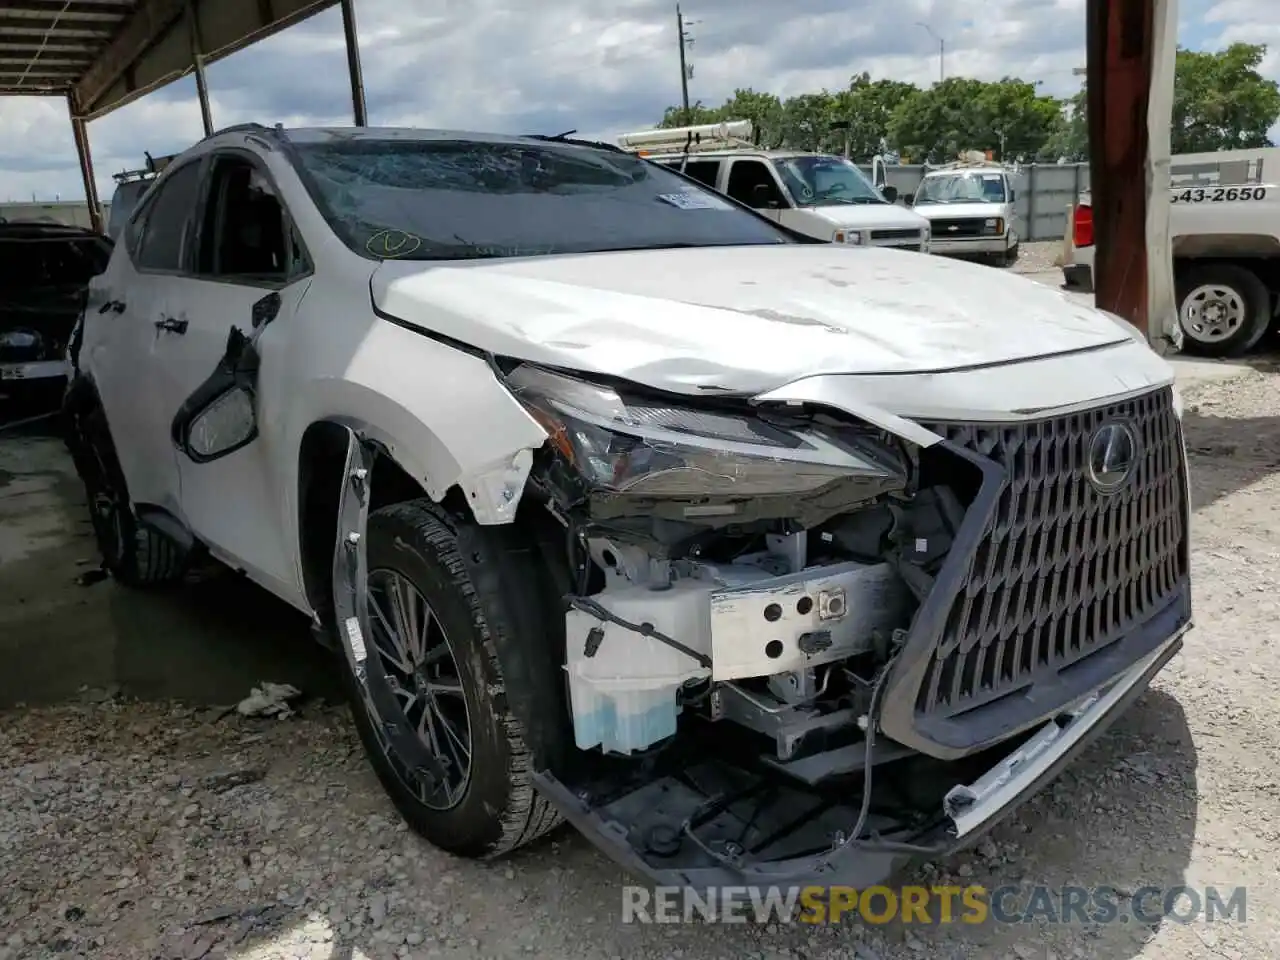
x: 751, y: 555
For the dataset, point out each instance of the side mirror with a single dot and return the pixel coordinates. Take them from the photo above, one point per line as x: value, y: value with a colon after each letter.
x: 1013, y: 194
x: 762, y: 197
x: 889, y: 193
x: 221, y: 417
x: 908, y: 198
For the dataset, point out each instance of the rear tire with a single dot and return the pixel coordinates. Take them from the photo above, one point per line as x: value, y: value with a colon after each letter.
x: 413, y: 549
x: 1223, y: 309
x: 133, y: 553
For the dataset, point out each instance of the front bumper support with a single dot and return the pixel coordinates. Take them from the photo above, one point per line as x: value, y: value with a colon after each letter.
x: 972, y: 809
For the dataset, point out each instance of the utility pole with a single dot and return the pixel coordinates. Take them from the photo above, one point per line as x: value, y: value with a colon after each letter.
x: 942, y: 51
x: 685, y: 71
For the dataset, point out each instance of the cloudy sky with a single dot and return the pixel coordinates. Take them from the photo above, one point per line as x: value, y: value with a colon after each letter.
x: 603, y: 68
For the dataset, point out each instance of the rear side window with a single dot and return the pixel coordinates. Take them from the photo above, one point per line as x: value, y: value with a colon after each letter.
x: 123, y: 203
x: 704, y: 171
x: 39, y: 263
x: 164, y: 235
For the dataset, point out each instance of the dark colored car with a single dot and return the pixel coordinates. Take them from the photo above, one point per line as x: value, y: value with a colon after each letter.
x: 44, y: 273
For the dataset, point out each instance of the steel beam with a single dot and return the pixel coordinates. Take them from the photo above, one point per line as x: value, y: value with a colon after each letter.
x: 353, y: 64
x: 80, y: 131
x: 197, y: 62
x: 151, y: 20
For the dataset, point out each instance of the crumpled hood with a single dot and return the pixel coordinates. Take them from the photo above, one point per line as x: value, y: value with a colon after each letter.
x: 741, y: 319
x: 870, y: 216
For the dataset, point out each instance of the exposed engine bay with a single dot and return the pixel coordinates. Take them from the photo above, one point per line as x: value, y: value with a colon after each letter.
x: 790, y: 633
x: 743, y: 579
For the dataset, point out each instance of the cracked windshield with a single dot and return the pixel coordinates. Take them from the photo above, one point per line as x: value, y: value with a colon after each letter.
x: 456, y: 200
x: 822, y: 181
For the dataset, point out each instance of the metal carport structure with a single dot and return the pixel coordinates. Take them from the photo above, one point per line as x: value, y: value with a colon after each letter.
x: 103, y: 54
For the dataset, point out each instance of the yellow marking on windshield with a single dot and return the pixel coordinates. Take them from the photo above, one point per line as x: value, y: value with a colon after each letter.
x: 391, y: 244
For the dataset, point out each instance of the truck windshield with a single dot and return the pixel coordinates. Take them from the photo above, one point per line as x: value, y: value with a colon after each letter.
x: 968, y: 187
x: 817, y: 181
x: 451, y: 199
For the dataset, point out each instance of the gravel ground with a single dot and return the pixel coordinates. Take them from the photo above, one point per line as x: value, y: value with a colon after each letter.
x: 157, y: 829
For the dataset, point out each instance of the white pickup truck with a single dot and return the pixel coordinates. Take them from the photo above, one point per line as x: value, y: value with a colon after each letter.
x: 1224, y: 229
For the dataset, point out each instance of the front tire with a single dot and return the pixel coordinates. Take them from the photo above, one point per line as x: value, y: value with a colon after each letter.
x: 132, y: 552
x: 432, y: 632
x: 1011, y: 256
x: 1223, y: 309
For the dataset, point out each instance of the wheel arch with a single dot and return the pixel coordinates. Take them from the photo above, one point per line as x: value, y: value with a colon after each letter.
x: 513, y: 559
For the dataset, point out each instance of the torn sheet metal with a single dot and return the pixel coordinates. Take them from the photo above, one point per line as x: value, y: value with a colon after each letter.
x: 847, y: 395
x: 494, y: 492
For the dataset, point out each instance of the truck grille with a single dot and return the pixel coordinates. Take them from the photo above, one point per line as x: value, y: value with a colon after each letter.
x: 1061, y: 571
x: 958, y: 228
x: 896, y: 238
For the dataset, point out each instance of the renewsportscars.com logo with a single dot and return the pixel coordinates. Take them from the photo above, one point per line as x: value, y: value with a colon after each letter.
x: 933, y: 905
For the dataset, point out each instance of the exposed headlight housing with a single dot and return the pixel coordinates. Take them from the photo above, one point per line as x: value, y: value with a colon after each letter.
x: 654, y: 450
x: 855, y: 237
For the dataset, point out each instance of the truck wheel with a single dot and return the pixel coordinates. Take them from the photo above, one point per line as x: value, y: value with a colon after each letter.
x: 432, y: 630
x: 1011, y: 256
x: 1224, y: 309
x: 133, y: 553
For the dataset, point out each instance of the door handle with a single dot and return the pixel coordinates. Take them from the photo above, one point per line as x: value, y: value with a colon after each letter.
x: 172, y: 325
x: 112, y: 305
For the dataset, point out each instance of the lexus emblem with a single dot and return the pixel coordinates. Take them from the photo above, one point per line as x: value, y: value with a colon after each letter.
x: 1113, y: 453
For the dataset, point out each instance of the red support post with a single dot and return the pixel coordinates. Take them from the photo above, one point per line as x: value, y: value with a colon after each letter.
x: 1120, y: 50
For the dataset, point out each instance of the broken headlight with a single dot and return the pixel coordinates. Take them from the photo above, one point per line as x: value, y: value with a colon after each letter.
x: 650, y: 448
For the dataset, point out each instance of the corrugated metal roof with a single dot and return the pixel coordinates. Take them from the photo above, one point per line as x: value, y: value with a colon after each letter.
x: 106, y: 53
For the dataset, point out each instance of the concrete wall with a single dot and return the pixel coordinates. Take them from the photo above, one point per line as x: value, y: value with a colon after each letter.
x: 1045, y: 193
x: 68, y: 212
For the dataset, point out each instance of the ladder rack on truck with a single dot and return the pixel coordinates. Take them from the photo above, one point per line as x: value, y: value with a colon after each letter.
x: 677, y: 141
x: 155, y: 166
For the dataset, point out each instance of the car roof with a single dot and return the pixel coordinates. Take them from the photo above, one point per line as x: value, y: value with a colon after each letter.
x: 760, y: 154
x: 305, y: 135
x: 993, y: 168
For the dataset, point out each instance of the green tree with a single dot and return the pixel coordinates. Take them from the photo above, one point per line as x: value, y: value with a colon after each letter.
x: 868, y: 106
x: 1008, y: 117
x: 806, y: 122
x: 1221, y: 102
x: 697, y: 114
x: 1071, y: 142
x: 764, y: 110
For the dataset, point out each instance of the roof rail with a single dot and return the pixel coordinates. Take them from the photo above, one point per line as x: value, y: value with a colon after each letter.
x: 239, y: 128
x: 675, y: 141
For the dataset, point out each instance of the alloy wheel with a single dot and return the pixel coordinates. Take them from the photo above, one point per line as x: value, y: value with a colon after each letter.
x: 423, y: 674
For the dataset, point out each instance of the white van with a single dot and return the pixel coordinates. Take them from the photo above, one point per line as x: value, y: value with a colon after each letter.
x: 823, y: 196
